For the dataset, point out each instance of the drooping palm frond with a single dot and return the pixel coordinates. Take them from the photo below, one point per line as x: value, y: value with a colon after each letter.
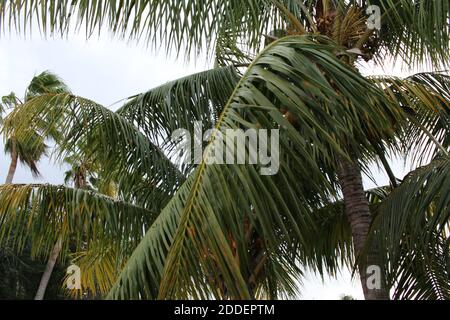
x: 181, y: 105
x: 423, y: 272
x: 416, y: 31
x: 413, y: 224
x: 231, y: 49
x: 177, y: 104
x: 123, y: 153
x: 198, y: 246
x: 169, y: 22
x: 426, y: 101
x: 43, y: 214
x: 9, y: 101
x: 100, y: 265
x: 333, y: 222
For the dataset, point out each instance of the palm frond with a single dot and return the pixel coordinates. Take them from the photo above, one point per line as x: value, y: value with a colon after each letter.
x: 100, y: 265
x: 43, y: 214
x: 9, y: 102
x: 333, y: 222
x: 416, y: 31
x: 177, y: 104
x: 170, y: 23
x: 231, y: 49
x: 413, y: 224
x: 199, y: 247
x: 123, y: 153
x: 180, y: 105
x: 426, y: 101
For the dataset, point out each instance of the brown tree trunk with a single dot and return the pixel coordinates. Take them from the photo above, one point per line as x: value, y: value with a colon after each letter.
x: 13, y: 165
x: 48, y: 271
x: 358, y: 215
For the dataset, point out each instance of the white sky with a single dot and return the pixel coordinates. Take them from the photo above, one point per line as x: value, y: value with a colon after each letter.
x: 107, y: 71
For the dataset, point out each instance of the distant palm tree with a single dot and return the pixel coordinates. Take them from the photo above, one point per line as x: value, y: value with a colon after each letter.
x: 225, y: 230
x: 31, y: 151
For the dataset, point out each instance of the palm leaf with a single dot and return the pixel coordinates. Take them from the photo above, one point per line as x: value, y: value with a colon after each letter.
x: 416, y: 31
x: 413, y: 225
x: 100, y: 266
x: 123, y: 153
x: 198, y: 247
x: 167, y: 22
x: 426, y: 101
x: 44, y: 214
x: 44, y: 83
x: 177, y: 104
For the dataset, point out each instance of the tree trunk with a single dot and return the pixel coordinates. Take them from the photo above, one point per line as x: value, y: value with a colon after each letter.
x: 13, y: 165
x: 48, y: 271
x: 358, y: 215
x: 80, y: 182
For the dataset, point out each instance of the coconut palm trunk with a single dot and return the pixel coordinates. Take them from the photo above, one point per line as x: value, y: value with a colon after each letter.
x: 13, y: 165
x: 48, y: 271
x: 358, y: 215
x: 80, y: 182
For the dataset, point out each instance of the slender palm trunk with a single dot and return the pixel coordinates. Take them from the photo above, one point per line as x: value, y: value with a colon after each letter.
x: 358, y: 214
x: 13, y: 165
x: 80, y: 182
x: 48, y: 271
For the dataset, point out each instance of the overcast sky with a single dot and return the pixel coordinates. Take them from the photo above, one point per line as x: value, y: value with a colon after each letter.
x: 107, y: 71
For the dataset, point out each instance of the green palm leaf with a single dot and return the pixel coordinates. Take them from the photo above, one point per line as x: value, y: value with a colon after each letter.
x: 44, y: 214
x: 177, y: 104
x: 191, y: 251
x: 426, y: 101
x: 121, y: 151
x: 416, y: 31
x: 414, y: 226
x: 44, y: 83
x: 173, y: 23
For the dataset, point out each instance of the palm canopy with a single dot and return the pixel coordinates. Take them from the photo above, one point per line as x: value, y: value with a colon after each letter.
x: 30, y: 152
x: 209, y: 221
x: 44, y: 83
x: 416, y: 31
x: 212, y: 239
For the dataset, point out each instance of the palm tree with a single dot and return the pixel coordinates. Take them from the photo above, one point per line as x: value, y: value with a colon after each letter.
x: 29, y: 153
x: 107, y: 226
x: 333, y: 122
